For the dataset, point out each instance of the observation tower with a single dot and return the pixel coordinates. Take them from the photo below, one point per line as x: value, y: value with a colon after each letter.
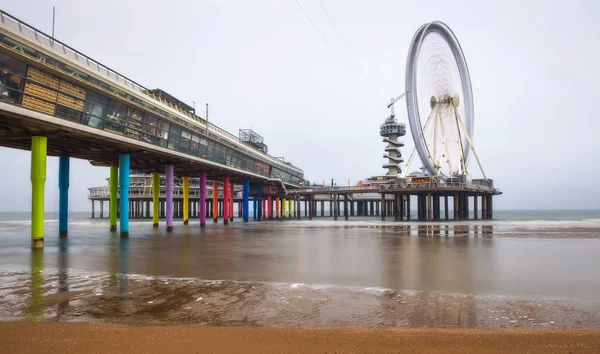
x: 390, y: 130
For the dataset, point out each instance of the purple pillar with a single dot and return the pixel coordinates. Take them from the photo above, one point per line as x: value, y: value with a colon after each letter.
x: 203, y: 199
x: 169, y: 171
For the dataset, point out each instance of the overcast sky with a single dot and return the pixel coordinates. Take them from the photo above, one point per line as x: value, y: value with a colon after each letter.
x: 261, y: 64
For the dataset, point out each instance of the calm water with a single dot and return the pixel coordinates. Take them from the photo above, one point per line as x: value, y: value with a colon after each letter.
x: 526, y: 269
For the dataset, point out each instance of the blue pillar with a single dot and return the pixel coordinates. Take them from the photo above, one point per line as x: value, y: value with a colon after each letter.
x: 63, y: 198
x: 124, y: 194
x: 259, y: 190
x: 246, y: 192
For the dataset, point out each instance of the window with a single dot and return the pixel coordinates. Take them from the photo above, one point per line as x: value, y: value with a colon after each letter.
x: 174, y: 135
x: 12, y: 72
x: 116, y: 116
x: 163, y: 132
x: 95, y: 109
x: 184, y: 143
x: 195, y: 145
x: 134, y: 123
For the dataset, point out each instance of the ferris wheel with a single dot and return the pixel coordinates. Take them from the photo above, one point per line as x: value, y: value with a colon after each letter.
x: 439, y: 101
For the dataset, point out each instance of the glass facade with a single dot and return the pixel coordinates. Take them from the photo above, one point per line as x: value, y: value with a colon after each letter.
x: 38, y: 90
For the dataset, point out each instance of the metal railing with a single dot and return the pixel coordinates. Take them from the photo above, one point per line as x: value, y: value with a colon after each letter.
x: 383, y: 187
x: 146, y: 192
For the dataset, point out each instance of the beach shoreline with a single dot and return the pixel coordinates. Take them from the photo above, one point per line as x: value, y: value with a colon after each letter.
x: 21, y: 337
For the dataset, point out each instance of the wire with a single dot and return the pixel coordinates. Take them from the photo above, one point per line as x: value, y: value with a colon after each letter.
x: 338, y: 32
x: 322, y: 36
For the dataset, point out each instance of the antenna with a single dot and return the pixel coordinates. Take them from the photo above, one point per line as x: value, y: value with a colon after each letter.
x: 53, y: 17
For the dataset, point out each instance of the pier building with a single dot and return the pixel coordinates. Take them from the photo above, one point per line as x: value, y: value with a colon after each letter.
x: 56, y: 101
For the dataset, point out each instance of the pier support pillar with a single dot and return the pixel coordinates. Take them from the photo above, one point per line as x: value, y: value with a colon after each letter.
x: 270, y: 207
x: 436, y: 207
x: 124, y: 163
x: 101, y: 209
x: 290, y: 211
x: 284, y: 211
x: 408, y: 197
x: 63, y: 202
x: 254, y: 207
x: 335, y: 207
x: 475, y: 207
x: 39, y: 146
x: 490, y: 209
x: 456, y: 208
x: 112, y: 202
x: 155, y: 196
x: 230, y: 194
x: 346, y: 213
x: 215, y: 200
x: 483, y: 207
x: 186, y: 200
x: 277, y: 208
x: 169, y: 174
x: 246, y: 195
x: 398, y: 207
x: 383, y: 207
x: 259, y: 193
x: 446, y: 207
x: 202, y: 203
x: 466, y: 205
x: 311, y: 206
x: 226, y: 191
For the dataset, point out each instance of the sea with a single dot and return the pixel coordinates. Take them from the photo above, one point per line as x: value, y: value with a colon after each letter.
x: 524, y: 269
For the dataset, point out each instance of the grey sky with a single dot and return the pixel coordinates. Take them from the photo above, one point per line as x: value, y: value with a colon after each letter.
x: 261, y: 64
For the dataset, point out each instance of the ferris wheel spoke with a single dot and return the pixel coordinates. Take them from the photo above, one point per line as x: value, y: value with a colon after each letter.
x: 448, y: 161
x: 470, y: 142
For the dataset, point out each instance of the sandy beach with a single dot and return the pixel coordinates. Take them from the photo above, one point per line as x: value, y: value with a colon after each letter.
x: 23, y: 337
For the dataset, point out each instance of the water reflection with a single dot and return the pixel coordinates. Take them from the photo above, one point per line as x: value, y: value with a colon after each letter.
x: 63, y: 274
x: 36, y: 309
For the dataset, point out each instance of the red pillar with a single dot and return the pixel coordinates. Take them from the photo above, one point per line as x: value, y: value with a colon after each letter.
x: 277, y: 208
x: 225, y: 200
x: 231, y: 202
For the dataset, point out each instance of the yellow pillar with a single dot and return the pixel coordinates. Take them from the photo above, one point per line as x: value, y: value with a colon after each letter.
x: 186, y: 202
x: 39, y: 146
x: 290, y: 208
x: 284, y: 204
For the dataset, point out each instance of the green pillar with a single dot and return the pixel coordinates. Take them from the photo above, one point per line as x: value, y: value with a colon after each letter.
x: 114, y: 189
x: 155, y: 194
x: 38, y: 180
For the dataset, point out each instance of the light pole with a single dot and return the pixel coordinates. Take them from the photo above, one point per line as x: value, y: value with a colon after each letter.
x: 348, y: 182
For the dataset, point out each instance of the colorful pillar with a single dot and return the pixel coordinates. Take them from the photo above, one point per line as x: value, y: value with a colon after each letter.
x: 202, y: 199
x: 284, y: 211
x: 215, y: 201
x: 63, y: 202
x: 169, y: 184
x: 225, y: 200
x: 259, y: 188
x: 289, y: 208
x: 231, y: 202
x: 155, y: 196
x: 186, y: 201
x: 112, y: 202
x: 124, y: 163
x: 254, y: 207
x: 39, y: 146
x: 277, y: 208
x: 245, y: 199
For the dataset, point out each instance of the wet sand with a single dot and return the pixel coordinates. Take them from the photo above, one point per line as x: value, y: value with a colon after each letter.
x: 21, y: 337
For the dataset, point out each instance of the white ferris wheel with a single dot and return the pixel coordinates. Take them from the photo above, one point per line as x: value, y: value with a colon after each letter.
x: 439, y: 102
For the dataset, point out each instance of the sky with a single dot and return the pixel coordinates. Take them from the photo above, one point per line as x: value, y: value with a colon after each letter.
x: 262, y: 64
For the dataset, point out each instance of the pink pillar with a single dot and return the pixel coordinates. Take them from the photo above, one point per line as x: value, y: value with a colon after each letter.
x: 203, y: 199
x: 225, y: 200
